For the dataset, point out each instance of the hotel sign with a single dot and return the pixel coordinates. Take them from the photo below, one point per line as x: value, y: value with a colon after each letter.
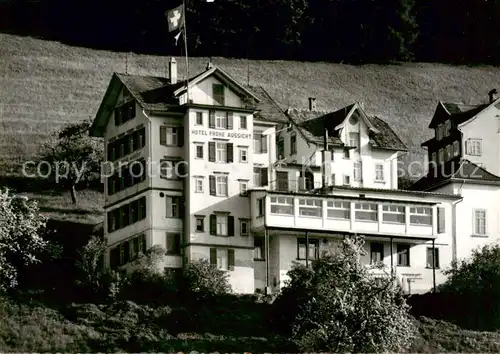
x: 221, y: 134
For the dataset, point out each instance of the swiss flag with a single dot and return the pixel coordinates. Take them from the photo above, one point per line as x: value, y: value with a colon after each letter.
x: 175, y: 18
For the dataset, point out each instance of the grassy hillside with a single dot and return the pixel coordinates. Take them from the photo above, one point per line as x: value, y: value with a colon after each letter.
x: 45, y: 84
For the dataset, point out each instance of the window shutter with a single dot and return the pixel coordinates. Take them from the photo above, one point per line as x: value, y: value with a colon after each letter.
x: 229, y: 152
x: 213, y: 224
x: 467, y: 147
x: 211, y: 120
x: 132, y: 110
x: 182, y: 207
x: 169, y: 242
x: 441, y: 220
x: 229, y: 120
x: 263, y: 177
x: 263, y: 143
x: 163, y: 135
x: 211, y: 180
x: 230, y: 259
x: 213, y: 256
x: 180, y: 136
x: 230, y: 225
x: 211, y: 151
x: 126, y: 252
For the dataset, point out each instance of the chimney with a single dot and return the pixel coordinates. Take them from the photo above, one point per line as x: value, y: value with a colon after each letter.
x: 312, y: 103
x: 493, y: 95
x: 209, y: 64
x: 172, y: 70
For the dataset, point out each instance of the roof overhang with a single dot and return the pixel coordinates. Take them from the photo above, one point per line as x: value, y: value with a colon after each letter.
x: 479, y: 113
x: 364, y: 117
x: 106, y: 107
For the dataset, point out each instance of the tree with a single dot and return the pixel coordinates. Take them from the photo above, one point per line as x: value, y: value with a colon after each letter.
x: 341, y: 307
x: 73, y: 157
x: 205, y: 280
x: 90, y: 263
x: 21, y: 242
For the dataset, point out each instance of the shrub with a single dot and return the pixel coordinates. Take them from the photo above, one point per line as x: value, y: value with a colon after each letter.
x: 341, y: 307
x: 205, y: 280
x: 474, y: 283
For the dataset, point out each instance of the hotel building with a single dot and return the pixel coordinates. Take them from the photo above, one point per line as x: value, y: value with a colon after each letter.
x: 234, y: 179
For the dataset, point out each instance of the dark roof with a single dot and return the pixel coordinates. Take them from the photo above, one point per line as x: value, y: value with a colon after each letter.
x: 459, y: 113
x: 466, y: 171
x: 312, y: 125
x: 267, y: 108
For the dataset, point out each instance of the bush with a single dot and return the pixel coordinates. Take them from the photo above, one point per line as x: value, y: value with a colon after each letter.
x: 474, y: 283
x: 205, y: 280
x: 341, y: 307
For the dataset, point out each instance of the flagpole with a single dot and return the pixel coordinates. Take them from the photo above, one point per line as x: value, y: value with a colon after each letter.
x: 186, y: 50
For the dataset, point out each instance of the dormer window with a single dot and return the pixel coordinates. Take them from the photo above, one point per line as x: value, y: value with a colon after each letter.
x: 218, y: 94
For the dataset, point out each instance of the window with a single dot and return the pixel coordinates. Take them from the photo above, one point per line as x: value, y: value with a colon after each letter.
x: 403, y: 255
x: 302, y: 246
x: 170, y: 169
x: 243, y: 154
x: 379, y: 172
x: 311, y: 207
x: 199, y: 151
x: 222, y: 258
x: 130, y: 175
x: 124, y: 113
x: 243, y: 188
x: 280, y: 148
x: 260, y: 177
x: 244, y: 227
x: 220, y: 120
x: 127, y: 251
x: 258, y: 251
x: 122, y: 147
x: 261, y: 206
x: 354, y: 140
x: 259, y: 143
x: 198, y: 184
x: 421, y: 216
x: 473, y: 147
x: 221, y: 152
x: 243, y: 122
x: 479, y: 222
x: 366, y: 211
x: 221, y: 225
x: 282, y: 205
x: 441, y: 156
x: 218, y: 94
x: 293, y: 144
x: 127, y: 214
x: 357, y: 171
x: 456, y: 148
x: 449, y: 152
x: 447, y: 127
x: 218, y: 185
x: 172, y: 135
x: 393, y: 213
x: 376, y: 252
x: 432, y: 263
x: 347, y: 154
x: 347, y: 180
x: 173, y: 243
x: 175, y: 207
x: 338, y: 209
x: 200, y: 223
x: 333, y: 179
x: 199, y: 118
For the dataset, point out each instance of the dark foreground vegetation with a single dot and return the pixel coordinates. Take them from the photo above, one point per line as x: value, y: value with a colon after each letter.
x: 55, y: 300
x: 352, y: 31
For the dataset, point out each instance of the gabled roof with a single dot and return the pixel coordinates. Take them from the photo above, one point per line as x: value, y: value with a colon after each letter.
x: 465, y: 172
x: 156, y: 94
x: 459, y: 113
x: 313, y: 123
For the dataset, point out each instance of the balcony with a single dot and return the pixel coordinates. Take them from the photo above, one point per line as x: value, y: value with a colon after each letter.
x: 395, y: 214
